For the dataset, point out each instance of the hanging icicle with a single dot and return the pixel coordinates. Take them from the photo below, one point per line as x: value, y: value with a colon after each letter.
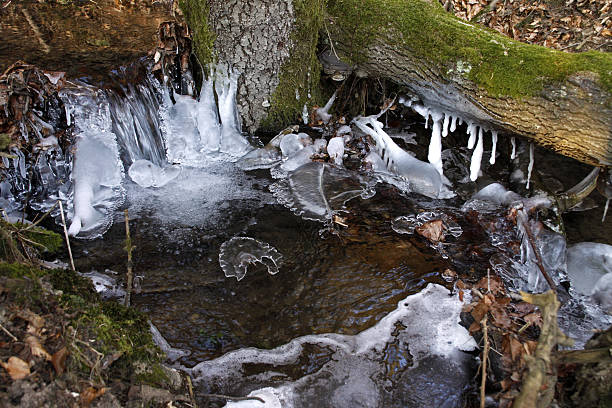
x: 494, y: 148
x: 530, y: 167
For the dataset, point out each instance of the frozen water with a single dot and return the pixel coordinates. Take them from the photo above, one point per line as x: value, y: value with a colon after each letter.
x: 238, y: 253
x: 435, y: 144
x: 262, y: 158
x: 494, y: 147
x: 147, y: 174
x: 422, y: 177
x: 406, y: 224
x: 587, y: 263
x: 323, y: 113
x: 491, y: 197
x: 530, y: 166
x: 172, y: 353
x: 305, y: 114
x: 292, y: 143
x: 389, y: 364
x: 335, y: 149
x: 513, y: 142
x: 196, y: 130
x: 316, y: 191
x: 477, y: 157
x: 105, y: 285
x: 602, y: 292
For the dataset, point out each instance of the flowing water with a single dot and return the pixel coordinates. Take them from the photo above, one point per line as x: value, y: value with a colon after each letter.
x: 347, y: 307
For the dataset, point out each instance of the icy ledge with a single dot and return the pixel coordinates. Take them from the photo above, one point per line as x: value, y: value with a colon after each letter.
x: 424, y: 330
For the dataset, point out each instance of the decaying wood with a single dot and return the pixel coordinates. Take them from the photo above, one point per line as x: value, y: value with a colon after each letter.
x: 538, y: 388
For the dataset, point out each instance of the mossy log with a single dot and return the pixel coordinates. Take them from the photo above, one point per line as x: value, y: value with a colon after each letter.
x: 559, y: 100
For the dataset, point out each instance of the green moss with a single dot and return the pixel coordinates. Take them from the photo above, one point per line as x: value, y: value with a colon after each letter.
x: 301, y: 71
x: 196, y: 14
x: 15, y: 237
x: 501, y: 66
x: 5, y: 140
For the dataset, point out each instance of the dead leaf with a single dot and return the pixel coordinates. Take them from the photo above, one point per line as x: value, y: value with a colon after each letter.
x: 16, y: 367
x: 36, y: 348
x: 59, y: 360
x: 91, y: 394
x: 432, y: 230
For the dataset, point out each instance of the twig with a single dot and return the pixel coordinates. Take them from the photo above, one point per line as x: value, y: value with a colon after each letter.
x: 128, y: 249
x: 190, y: 388
x: 36, y: 222
x: 227, y: 397
x: 32, y: 24
x: 483, y: 367
x: 9, y: 333
x: 66, y: 235
x: 536, y: 252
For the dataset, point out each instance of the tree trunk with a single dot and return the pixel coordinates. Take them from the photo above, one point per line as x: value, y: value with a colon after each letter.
x: 559, y: 100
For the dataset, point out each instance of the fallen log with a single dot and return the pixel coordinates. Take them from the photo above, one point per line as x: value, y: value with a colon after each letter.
x: 559, y: 100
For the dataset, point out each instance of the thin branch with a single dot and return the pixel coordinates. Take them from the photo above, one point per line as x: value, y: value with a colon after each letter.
x: 227, y: 397
x: 483, y: 367
x: 8, y: 332
x: 66, y: 235
x: 128, y: 249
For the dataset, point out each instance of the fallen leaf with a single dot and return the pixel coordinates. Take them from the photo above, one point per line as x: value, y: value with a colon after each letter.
x: 91, y: 394
x: 59, y: 360
x: 432, y: 230
x: 36, y: 348
x: 16, y: 367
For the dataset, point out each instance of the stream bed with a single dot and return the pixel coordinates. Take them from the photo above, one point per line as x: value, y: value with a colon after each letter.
x: 346, y: 305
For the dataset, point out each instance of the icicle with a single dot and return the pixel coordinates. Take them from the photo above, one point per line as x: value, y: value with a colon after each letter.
x: 453, y: 124
x: 530, y: 167
x: 323, y: 113
x: 476, y: 158
x: 305, y: 114
x: 605, y: 210
x: 472, y: 132
x: 445, y: 125
x: 494, y: 140
x: 435, y: 144
x: 513, y: 154
x: 427, y: 118
x: 67, y: 108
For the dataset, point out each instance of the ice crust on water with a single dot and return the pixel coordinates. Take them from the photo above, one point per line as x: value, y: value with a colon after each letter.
x: 587, y: 264
x: 422, y: 177
x: 147, y: 174
x: 238, y: 253
x: 424, y: 330
x: 406, y: 224
x: 491, y: 197
x: 316, y: 191
x: 292, y: 143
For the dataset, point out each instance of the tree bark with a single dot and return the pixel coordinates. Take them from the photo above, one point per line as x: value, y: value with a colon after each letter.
x: 559, y: 100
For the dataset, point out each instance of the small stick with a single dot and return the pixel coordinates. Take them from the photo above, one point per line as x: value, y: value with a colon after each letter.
x: 227, y: 397
x: 539, y: 261
x: 191, y: 396
x: 34, y: 27
x: 485, y: 354
x: 128, y: 249
x: 66, y: 235
x: 8, y: 332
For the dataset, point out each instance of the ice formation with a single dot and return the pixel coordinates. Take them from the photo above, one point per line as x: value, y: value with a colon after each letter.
x: 494, y: 147
x: 495, y: 194
x: 171, y: 352
x: 476, y: 157
x: 390, y: 364
x: 513, y: 142
x: 238, y: 253
x: 97, y: 169
x: 422, y: 177
x: 147, y: 174
x: 105, y: 285
x: 323, y: 113
x: 316, y: 191
x: 435, y: 144
x: 587, y: 263
x: 335, y: 149
x: 530, y: 166
x: 406, y: 224
x: 292, y: 143
x: 200, y: 131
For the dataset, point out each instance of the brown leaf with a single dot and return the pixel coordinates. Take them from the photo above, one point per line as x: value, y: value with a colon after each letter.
x: 479, y: 311
x: 91, y: 394
x: 432, y: 230
x: 16, y: 367
x: 36, y: 348
x: 59, y: 360
x: 534, y: 318
x: 36, y: 322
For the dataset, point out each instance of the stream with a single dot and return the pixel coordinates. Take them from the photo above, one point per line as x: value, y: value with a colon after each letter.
x: 342, y: 304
